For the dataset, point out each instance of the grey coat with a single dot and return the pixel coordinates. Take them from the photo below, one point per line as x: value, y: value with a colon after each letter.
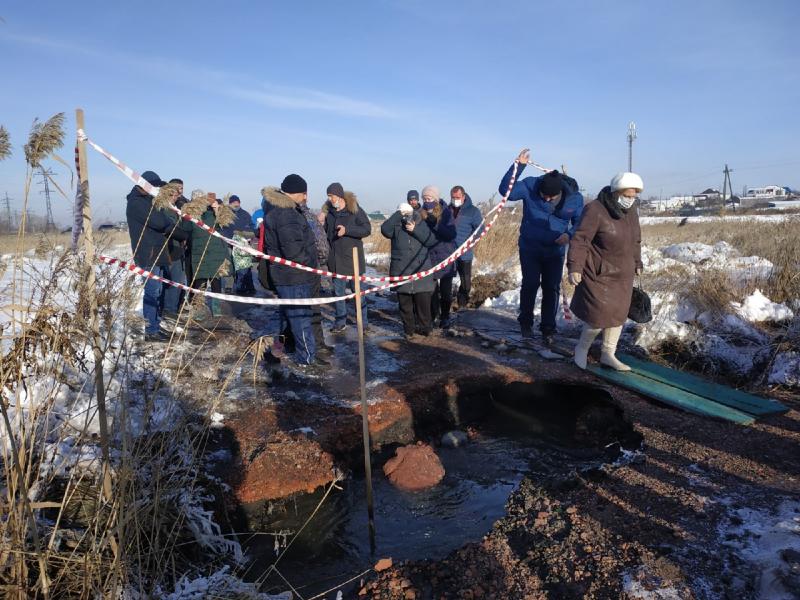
x: 409, y: 253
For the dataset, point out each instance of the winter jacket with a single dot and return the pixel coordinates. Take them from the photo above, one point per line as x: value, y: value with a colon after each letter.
x: 606, y: 250
x: 467, y: 220
x: 409, y: 253
x: 320, y: 237
x: 178, y: 248
x: 259, y: 214
x: 209, y: 253
x: 150, y: 229
x: 543, y: 222
x: 287, y: 234
x: 356, y: 227
x: 440, y: 222
x: 243, y: 222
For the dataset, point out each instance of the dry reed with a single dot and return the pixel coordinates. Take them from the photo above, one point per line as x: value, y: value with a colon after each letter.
x: 45, y: 138
x: 5, y: 144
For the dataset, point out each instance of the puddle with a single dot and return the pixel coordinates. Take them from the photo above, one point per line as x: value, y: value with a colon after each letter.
x: 542, y: 430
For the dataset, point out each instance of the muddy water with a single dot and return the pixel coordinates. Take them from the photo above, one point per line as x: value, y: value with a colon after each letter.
x: 480, y: 476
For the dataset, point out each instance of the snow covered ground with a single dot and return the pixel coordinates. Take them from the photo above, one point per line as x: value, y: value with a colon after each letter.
x: 58, y: 406
x: 742, y: 340
x: 726, y: 219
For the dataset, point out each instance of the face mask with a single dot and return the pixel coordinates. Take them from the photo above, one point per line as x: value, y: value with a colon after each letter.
x: 626, y: 202
x: 236, y: 208
x: 457, y: 203
x: 429, y: 205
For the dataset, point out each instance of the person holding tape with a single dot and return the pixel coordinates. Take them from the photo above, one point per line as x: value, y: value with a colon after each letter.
x: 552, y: 208
x: 604, y: 256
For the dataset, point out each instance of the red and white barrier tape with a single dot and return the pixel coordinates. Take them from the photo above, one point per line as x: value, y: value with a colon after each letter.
x: 137, y: 179
x: 229, y: 297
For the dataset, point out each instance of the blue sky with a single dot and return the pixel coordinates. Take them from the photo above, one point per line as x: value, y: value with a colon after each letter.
x: 388, y: 95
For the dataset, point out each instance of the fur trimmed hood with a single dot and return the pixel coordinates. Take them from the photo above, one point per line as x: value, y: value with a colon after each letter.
x: 350, y: 204
x: 277, y: 198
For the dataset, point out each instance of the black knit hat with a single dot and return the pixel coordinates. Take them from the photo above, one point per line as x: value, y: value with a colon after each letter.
x: 412, y: 195
x: 335, y: 189
x: 153, y: 179
x: 294, y: 184
x: 234, y: 198
x: 550, y: 184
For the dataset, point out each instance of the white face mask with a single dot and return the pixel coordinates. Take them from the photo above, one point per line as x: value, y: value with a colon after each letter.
x: 456, y: 202
x: 626, y: 202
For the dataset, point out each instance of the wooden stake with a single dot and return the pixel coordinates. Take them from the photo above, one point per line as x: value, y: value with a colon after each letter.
x: 362, y: 372
x: 97, y: 346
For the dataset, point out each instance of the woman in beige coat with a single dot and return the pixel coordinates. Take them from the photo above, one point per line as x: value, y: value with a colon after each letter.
x: 604, y: 256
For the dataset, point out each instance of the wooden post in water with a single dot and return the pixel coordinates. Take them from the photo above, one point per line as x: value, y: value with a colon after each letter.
x: 362, y: 373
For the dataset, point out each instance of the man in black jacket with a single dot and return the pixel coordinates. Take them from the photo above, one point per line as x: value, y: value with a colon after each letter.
x: 150, y: 229
x: 346, y: 224
x: 287, y: 234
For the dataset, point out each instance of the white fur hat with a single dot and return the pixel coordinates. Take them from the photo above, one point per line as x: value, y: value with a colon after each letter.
x: 405, y: 208
x: 626, y: 181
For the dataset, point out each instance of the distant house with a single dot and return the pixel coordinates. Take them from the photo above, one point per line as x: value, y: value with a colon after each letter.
x: 376, y: 216
x: 770, y: 192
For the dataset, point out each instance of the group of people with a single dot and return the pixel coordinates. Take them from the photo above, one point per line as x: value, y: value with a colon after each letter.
x: 601, y: 242
x: 183, y: 252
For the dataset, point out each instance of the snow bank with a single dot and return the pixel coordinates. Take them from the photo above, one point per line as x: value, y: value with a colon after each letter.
x: 721, y: 256
x: 757, y: 308
x: 785, y: 369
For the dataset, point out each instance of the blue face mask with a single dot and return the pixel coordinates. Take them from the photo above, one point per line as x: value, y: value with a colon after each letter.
x: 429, y: 205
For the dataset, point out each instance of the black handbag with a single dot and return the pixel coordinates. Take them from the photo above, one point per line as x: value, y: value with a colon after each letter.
x: 641, y: 309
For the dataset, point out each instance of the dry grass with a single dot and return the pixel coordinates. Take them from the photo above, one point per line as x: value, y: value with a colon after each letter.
x: 58, y: 241
x: 778, y: 242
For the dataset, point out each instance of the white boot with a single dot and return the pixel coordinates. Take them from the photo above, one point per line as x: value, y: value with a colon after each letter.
x: 584, y: 343
x: 610, y: 340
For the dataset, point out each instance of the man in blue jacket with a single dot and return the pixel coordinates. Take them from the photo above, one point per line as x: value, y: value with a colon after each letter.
x: 468, y: 219
x: 552, y: 209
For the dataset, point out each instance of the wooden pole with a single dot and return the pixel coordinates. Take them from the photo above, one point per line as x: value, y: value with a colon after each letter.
x: 362, y: 372
x: 97, y: 347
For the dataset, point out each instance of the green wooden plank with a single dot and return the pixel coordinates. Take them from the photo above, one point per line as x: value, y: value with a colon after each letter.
x: 671, y: 395
x: 737, y: 399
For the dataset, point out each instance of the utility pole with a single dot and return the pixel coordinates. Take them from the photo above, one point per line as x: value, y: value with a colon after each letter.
x: 631, y: 138
x: 46, y: 174
x: 727, y: 188
x: 9, y: 221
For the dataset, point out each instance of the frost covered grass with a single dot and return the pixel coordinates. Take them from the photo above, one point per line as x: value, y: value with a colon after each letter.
x: 104, y: 491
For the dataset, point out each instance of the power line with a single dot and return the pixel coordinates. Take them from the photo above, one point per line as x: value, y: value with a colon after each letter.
x: 45, y: 175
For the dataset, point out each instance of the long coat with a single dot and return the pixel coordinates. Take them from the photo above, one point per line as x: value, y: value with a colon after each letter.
x: 606, y: 249
x: 209, y: 253
x: 356, y: 227
x: 409, y: 252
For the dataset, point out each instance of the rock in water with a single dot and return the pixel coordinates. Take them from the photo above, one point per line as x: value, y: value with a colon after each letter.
x: 414, y: 467
x: 454, y: 439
